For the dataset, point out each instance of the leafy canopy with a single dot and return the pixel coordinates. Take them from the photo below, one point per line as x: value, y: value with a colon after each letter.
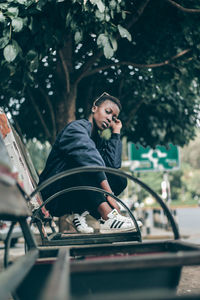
x: 144, y: 52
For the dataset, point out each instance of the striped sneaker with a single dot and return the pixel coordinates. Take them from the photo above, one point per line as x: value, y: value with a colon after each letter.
x: 116, y: 223
x: 79, y: 223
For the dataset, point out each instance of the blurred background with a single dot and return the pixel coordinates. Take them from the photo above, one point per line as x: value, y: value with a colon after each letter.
x: 57, y: 57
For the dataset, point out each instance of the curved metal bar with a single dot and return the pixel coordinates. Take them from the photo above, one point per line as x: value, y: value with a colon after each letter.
x: 91, y: 188
x: 7, y: 244
x: 115, y: 172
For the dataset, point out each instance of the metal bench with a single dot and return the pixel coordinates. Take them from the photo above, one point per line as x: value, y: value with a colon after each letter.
x: 134, y: 268
x: 40, y: 216
x: 13, y: 207
x: 50, y: 274
x: 83, y: 271
x: 126, y: 266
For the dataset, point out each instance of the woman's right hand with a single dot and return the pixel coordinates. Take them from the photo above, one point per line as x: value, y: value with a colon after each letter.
x: 116, y: 126
x: 113, y: 203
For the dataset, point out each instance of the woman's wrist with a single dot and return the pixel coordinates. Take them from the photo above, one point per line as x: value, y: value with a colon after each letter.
x: 116, y: 131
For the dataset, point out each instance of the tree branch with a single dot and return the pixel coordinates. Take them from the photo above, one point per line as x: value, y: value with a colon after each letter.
x: 187, y: 10
x: 87, y: 65
x: 39, y: 114
x: 138, y: 13
x: 133, y: 112
x: 120, y: 87
x: 129, y: 63
x: 99, y: 54
x: 65, y: 68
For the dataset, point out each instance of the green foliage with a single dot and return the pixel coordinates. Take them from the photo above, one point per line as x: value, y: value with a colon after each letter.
x: 191, y: 154
x: 153, y: 179
x: 39, y: 153
x: 124, y: 33
x: 192, y: 180
x: 10, y: 52
x: 49, y: 49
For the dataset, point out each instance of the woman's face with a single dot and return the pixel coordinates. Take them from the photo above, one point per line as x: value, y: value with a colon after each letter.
x: 105, y: 114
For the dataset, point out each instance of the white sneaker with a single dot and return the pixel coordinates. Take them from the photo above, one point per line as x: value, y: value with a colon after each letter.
x: 117, y: 223
x: 79, y: 223
x: 128, y: 219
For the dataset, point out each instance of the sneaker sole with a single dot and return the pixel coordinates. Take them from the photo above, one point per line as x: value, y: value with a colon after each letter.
x: 114, y: 230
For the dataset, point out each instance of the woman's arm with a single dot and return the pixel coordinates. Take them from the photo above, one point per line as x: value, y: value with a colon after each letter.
x: 105, y: 186
x: 111, y: 150
x: 78, y: 149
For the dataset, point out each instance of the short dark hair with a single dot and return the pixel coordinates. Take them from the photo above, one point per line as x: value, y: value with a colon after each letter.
x: 105, y: 96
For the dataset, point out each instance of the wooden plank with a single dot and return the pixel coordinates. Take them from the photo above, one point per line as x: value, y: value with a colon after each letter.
x: 14, y: 275
x: 12, y: 203
x: 57, y: 286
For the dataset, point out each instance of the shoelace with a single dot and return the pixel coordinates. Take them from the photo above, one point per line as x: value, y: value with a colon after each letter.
x: 82, y: 219
x: 125, y: 219
x: 85, y: 213
x: 119, y: 217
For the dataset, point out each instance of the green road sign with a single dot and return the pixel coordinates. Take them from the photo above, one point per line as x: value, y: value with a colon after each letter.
x: 158, y: 159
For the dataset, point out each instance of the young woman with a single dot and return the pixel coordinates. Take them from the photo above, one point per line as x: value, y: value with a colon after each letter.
x: 79, y: 144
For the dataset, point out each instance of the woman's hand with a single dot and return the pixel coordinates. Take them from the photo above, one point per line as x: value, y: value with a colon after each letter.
x: 113, y: 203
x: 116, y: 126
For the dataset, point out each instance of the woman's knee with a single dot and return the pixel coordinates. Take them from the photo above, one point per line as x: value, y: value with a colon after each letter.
x: 117, y: 184
x: 124, y: 183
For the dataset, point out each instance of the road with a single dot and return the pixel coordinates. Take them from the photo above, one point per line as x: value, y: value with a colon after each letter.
x: 189, y: 223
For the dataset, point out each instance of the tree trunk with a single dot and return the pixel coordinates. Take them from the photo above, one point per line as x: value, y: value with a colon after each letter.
x: 66, y: 109
x: 67, y: 93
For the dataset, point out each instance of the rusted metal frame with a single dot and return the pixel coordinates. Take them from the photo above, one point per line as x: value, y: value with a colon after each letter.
x: 155, y: 294
x: 91, y: 188
x: 181, y: 245
x: 38, y: 221
x: 57, y: 285
x: 170, y: 262
x: 7, y: 244
x: 45, y: 252
x: 52, y: 225
x: 83, y: 240
x: 115, y: 172
x: 132, y: 248
x: 28, y: 236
